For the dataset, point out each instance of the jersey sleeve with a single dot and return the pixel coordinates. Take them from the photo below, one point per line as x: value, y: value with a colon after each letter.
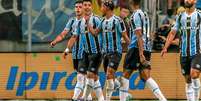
x: 78, y: 27
x: 121, y: 26
x: 177, y: 24
x: 137, y: 21
x: 69, y: 24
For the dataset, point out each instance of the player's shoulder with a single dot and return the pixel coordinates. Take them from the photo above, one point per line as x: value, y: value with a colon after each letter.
x: 97, y: 17
x: 117, y: 18
x: 138, y: 14
x: 72, y: 18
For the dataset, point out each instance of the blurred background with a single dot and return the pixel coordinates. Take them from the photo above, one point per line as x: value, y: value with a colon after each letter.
x: 30, y: 25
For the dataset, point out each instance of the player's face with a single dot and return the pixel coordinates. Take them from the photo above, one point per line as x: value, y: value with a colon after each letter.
x: 78, y: 9
x: 124, y: 13
x: 87, y: 7
x: 189, y: 3
x: 103, y: 9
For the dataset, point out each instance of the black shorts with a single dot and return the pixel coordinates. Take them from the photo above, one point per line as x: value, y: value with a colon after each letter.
x: 190, y: 62
x: 111, y: 60
x: 90, y: 62
x: 75, y: 64
x: 132, y: 60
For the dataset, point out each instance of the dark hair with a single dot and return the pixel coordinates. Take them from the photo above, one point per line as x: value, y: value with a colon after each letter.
x: 78, y: 1
x: 87, y: 1
x: 125, y: 7
x: 136, y: 2
x: 109, y: 4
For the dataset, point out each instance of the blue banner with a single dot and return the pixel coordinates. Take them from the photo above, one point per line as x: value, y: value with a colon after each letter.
x: 49, y: 18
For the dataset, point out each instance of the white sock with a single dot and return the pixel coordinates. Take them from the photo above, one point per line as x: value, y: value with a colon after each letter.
x: 79, y: 86
x: 117, y: 84
x: 88, y: 88
x: 189, y: 92
x: 109, y: 89
x: 196, y: 88
x: 89, y: 97
x: 124, y: 89
x: 155, y: 89
x: 98, y: 91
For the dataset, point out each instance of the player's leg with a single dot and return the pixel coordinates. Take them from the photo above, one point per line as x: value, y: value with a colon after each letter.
x: 82, y: 68
x: 80, y: 80
x: 92, y: 82
x: 95, y: 64
x: 195, y: 73
x: 185, y: 69
x: 129, y: 65
x: 149, y: 81
x: 114, y: 60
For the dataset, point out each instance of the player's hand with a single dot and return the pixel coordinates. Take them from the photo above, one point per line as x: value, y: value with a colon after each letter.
x: 64, y: 55
x: 142, y: 58
x: 53, y: 43
x: 163, y: 52
x: 143, y: 61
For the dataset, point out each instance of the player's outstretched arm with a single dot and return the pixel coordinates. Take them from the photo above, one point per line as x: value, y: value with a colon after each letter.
x: 169, y: 40
x: 59, y: 38
x: 70, y: 44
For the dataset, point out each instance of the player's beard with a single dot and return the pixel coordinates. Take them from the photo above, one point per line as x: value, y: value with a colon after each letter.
x: 188, y: 5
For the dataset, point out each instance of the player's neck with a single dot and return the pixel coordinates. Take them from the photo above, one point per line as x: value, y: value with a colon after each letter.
x: 189, y: 11
x: 136, y: 7
x: 78, y: 17
x: 109, y: 14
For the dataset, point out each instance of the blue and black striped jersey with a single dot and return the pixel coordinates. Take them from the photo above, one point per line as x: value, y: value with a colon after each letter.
x: 190, y: 38
x: 112, y: 30
x: 92, y: 44
x: 140, y: 21
x: 77, y: 49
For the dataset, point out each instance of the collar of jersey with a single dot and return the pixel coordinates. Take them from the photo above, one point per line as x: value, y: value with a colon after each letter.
x: 109, y: 18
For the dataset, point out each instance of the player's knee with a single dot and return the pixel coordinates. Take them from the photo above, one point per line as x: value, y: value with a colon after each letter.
x: 126, y: 74
x: 110, y: 73
x: 80, y: 78
x: 188, y: 78
x: 145, y: 74
x: 96, y: 77
x: 195, y: 73
x: 90, y: 75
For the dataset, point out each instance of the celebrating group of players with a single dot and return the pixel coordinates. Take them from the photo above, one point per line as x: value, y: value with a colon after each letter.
x: 95, y: 39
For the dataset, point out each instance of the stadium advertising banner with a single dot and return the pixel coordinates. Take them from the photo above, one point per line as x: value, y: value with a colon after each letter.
x: 49, y: 76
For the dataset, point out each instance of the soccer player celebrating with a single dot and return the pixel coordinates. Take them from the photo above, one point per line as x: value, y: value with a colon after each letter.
x: 113, y: 28
x: 189, y: 24
x: 139, y: 53
x: 92, y: 50
x: 77, y: 50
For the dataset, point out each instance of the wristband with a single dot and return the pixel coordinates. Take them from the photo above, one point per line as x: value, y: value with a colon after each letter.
x: 67, y: 50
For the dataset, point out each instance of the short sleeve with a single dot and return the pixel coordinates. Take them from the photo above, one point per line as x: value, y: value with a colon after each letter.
x: 177, y: 24
x: 137, y: 21
x: 69, y: 24
x: 121, y: 26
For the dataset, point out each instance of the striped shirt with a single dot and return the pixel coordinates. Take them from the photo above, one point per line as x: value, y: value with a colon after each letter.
x: 77, y: 49
x: 140, y: 20
x: 112, y: 30
x: 92, y: 44
x: 190, y: 38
